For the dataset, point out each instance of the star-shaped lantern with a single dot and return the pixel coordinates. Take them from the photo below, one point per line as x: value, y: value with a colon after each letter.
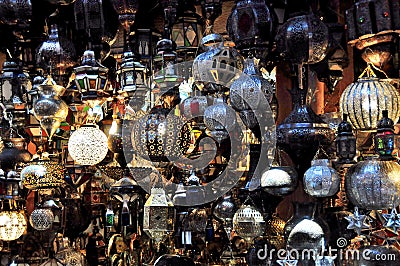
x: 288, y: 261
x: 392, y: 220
x: 357, y: 221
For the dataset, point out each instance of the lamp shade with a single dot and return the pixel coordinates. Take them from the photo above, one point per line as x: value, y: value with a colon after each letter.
x: 364, y: 100
x: 41, y: 219
x: 42, y: 174
x: 374, y: 184
x: 248, y: 222
x: 88, y: 145
x: 12, y: 225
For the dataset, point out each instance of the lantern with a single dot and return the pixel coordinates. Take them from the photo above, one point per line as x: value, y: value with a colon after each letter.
x: 307, y: 235
x: 210, y: 9
x: 194, y: 106
x: 384, y: 138
x: 132, y: 77
x: 158, y: 215
x: 252, y: 26
x: 195, y: 192
x: 42, y: 174
x: 248, y: 223
x: 88, y: 145
x: 49, y: 109
x: 279, y: 180
x: 321, y: 180
x: 220, y: 117
x: 303, y: 39
x: 373, y: 184
x: 274, y: 229
x: 144, y: 42
x: 160, y: 136
x: 17, y: 79
x: 91, y: 77
x: 364, y: 100
x: 16, y: 12
x: 12, y: 224
x: 126, y: 10
x: 345, y: 142
x: 41, y: 218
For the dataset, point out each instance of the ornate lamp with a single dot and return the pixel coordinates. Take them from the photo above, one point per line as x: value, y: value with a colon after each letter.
x: 220, y: 118
x: 158, y: 215
x: 42, y: 174
x: 252, y: 26
x: 91, y: 79
x: 248, y: 222
x: 321, y: 180
x: 12, y: 222
x: 88, y: 145
x: 132, y: 77
x: 126, y: 10
x: 345, y: 142
x: 144, y: 42
x: 365, y: 99
x: 41, y: 218
x: 210, y: 9
x: 170, y: 10
x: 16, y: 78
x: 384, y: 138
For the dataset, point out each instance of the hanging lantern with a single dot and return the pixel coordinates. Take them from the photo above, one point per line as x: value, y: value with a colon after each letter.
x: 49, y: 109
x: 384, y: 138
x: 132, y: 77
x: 307, y: 235
x: 158, y: 215
x: 279, y: 180
x: 41, y: 218
x: 42, y: 174
x: 248, y: 223
x: 345, y: 142
x: 91, y: 78
x: 220, y: 117
x: 194, y: 106
x: 210, y: 9
x: 144, y: 42
x: 15, y: 12
x: 321, y: 180
x: 170, y: 9
x: 364, y: 100
x: 56, y: 57
x: 187, y: 32
x: 88, y: 145
x: 374, y: 184
x: 17, y: 79
x: 252, y: 26
x: 303, y: 39
x: 14, y: 154
x: 115, y: 136
x: 126, y: 10
x: 195, y: 192
x: 225, y: 210
x: 12, y: 224
x: 160, y: 136
x: 274, y: 229
x: 218, y: 64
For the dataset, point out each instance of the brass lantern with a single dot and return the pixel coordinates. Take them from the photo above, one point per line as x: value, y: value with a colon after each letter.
x: 91, y: 77
x: 126, y: 10
x: 158, y: 215
x: 42, y: 174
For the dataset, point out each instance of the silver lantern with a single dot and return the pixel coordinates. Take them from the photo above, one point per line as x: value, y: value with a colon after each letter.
x: 321, y: 180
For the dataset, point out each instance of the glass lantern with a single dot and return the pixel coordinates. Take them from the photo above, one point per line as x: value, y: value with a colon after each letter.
x: 248, y: 223
x: 42, y: 174
x: 210, y: 9
x: 384, y: 138
x: 158, y: 215
x: 41, y: 218
x: 321, y: 180
x: 345, y: 142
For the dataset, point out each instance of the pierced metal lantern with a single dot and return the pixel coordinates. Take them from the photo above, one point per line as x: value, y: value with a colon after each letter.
x: 248, y: 223
x: 374, y: 184
x: 17, y: 79
x: 220, y: 116
x: 194, y: 106
x: 303, y: 39
x: 321, y: 180
x: 160, y: 136
x: 364, y: 100
x: 384, y: 138
x: 88, y: 145
x: 252, y: 26
x: 42, y: 174
x: 279, y: 180
x: 49, y: 109
x: 218, y: 64
x: 345, y: 142
x: 12, y: 225
x: 210, y: 9
x: 91, y: 77
x: 158, y: 215
x: 41, y: 218
x: 307, y: 235
x: 274, y: 229
x: 56, y: 56
x: 126, y: 10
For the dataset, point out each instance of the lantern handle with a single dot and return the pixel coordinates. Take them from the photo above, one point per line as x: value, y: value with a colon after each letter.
x: 369, y: 71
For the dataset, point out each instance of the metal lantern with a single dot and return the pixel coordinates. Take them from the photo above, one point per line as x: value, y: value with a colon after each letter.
x: 384, y: 138
x: 307, y: 235
x: 220, y: 117
x: 170, y: 9
x: 132, y: 77
x: 210, y: 9
x: 373, y: 184
x: 303, y: 39
x: 225, y: 210
x: 194, y: 106
x: 12, y: 224
x: 41, y: 218
x: 248, y: 223
x: 88, y: 145
x: 345, y: 142
x: 49, y: 109
x: 16, y: 12
x: 160, y: 136
x: 158, y: 215
x: 252, y: 26
x: 91, y: 77
x: 42, y: 174
x: 126, y: 10
x: 218, y: 64
x: 144, y: 42
x: 321, y: 180
x: 274, y: 229
x: 364, y: 100
x: 279, y: 180
x: 56, y: 57
x: 14, y: 154
x: 14, y: 77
